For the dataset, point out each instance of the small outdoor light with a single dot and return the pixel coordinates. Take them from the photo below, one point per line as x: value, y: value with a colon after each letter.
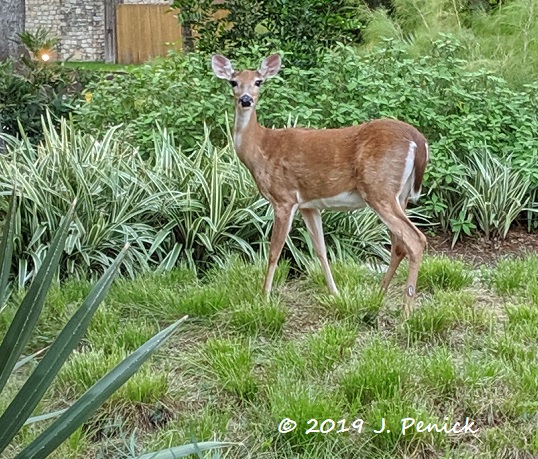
x: 44, y: 55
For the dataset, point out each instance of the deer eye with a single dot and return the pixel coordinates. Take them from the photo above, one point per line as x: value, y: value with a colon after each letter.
x: 258, y: 83
x: 233, y: 83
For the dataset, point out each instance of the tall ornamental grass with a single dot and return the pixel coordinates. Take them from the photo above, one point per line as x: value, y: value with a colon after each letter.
x: 195, y: 208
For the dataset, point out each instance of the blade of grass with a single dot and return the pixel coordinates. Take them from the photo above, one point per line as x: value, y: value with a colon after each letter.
x: 29, y: 358
x: 44, y: 417
x: 186, y: 450
x: 6, y: 248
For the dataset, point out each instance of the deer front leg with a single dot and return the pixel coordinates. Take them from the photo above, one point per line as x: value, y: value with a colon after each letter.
x: 281, y: 228
x: 312, y: 219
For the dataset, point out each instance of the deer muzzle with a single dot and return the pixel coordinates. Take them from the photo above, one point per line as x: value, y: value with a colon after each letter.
x: 246, y: 100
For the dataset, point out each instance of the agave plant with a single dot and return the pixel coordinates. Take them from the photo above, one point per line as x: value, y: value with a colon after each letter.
x: 19, y: 411
x: 38, y: 41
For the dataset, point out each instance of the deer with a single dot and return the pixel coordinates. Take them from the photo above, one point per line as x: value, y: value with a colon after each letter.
x: 379, y: 163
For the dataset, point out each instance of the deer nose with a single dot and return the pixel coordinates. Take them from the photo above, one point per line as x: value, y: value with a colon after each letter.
x: 246, y: 101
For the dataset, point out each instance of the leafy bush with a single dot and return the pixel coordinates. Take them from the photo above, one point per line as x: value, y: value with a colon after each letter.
x: 499, y: 34
x: 460, y: 110
x: 166, y: 206
x: 32, y: 86
x: 304, y: 28
x: 29, y: 92
x: 118, y: 197
x: 484, y: 192
x: 495, y: 194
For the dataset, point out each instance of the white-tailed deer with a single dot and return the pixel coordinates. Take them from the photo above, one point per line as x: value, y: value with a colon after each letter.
x: 379, y: 163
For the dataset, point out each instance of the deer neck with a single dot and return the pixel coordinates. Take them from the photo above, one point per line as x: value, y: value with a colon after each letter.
x: 247, y: 133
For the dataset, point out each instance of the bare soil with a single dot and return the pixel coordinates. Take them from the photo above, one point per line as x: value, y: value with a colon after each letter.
x: 479, y: 250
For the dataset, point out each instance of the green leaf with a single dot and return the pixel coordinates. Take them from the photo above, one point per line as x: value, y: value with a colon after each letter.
x: 24, y: 403
x: 170, y: 260
x: 186, y: 450
x: 26, y: 317
x: 44, y: 417
x: 6, y: 247
x: 94, y: 397
x: 28, y: 358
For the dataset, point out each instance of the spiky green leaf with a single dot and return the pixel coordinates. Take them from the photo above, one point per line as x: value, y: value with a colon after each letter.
x: 94, y: 397
x: 24, y: 403
x: 26, y: 317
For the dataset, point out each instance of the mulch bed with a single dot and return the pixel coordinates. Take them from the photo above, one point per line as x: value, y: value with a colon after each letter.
x: 479, y: 250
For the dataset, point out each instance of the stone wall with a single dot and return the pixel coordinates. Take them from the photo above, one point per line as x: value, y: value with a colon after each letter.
x: 83, y: 30
x: 148, y: 2
x: 79, y: 25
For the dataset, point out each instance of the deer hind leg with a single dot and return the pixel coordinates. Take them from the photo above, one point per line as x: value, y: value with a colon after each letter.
x: 414, y: 241
x: 281, y: 228
x: 397, y: 254
x: 312, y: 219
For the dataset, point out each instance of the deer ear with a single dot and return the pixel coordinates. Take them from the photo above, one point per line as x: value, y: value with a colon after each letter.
x: 222, y: 67
x: 270, y: 66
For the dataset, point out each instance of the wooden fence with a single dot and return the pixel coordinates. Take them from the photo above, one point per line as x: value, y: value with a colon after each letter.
x: 145, y: 31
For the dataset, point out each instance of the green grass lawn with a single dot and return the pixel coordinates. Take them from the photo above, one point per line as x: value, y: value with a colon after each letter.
x: 242, y: 364
x: 99, y: 66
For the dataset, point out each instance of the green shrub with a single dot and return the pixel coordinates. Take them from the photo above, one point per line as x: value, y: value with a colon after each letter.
x: 27, y: 94
x: 458, y: 109
x: 198, y: 209
x: 495, y: 195
x: 169, y: 206
x: 305, y: 28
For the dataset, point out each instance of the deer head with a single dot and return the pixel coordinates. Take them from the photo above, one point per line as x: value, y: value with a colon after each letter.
x: 246, y: 83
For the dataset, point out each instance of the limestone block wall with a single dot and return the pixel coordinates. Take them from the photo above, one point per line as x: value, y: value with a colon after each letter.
x: 44, y: 13
x: 83, y: 32
x: 148, y: 2
x: 79, y: 25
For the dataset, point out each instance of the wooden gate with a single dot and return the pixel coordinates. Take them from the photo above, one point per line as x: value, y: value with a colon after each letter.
x: 145, y: 31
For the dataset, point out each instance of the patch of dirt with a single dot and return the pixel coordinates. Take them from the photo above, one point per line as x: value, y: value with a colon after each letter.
x: 479, y: 250
x: 303, y: 313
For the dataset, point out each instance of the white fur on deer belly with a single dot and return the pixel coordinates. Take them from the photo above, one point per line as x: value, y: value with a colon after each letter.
x: 343, y: 201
